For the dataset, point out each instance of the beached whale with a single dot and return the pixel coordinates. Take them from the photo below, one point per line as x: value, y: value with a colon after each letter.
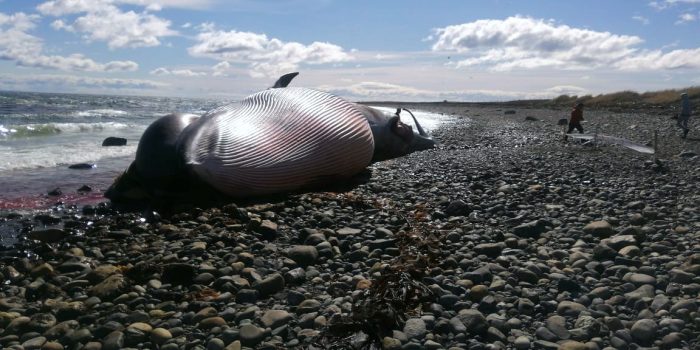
x: 278, y: 140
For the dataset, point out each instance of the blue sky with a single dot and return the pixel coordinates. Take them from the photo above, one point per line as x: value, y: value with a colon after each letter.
x: 363, y: 50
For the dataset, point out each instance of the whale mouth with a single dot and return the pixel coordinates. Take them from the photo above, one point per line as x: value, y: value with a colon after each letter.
x: 420, y: 141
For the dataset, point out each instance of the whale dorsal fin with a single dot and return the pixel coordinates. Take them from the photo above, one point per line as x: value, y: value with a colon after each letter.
x: 284, y: 80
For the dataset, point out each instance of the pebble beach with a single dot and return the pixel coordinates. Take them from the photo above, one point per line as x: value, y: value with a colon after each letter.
x: 503, y: 237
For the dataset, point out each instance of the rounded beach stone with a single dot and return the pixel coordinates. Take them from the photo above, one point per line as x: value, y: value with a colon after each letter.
x: 644, y: 330
x: 304, y: 255
x: 270, y: 285
x: 251, y: 335
x: 599, y: 229
x: 160, y: 335
x: 275, y: 318
x: 415, y: 328
x: 478, y: 292
x: 211, y: 322
x: 569, y: 308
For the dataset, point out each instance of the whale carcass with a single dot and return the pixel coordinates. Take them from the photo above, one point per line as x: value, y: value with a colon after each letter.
x: 277, y: 140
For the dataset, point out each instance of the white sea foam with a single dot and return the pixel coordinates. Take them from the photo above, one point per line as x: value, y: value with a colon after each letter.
x: 428, y: 120
x: 61, y: 155
x: 47, y: 129
x: 106, y: 112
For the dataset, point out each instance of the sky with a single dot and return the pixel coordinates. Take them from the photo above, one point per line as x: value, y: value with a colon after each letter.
x: 363, y: 50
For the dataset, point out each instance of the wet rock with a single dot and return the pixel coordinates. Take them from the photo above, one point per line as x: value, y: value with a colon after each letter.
x: 82, y: 166
x: 51, y: 235
x: 113, y: 141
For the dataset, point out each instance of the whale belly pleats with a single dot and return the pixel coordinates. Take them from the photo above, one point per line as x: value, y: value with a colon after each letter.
x: 278, y: 140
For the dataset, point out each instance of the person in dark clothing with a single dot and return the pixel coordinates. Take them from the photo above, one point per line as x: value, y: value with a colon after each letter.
x: 575, y: 120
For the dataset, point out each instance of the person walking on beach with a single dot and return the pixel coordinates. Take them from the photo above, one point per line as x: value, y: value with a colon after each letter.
x: 575, y: 120
x: 684, y: 116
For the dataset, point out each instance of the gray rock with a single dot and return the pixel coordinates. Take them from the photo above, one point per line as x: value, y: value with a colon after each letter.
x: 270, y: 285
x: 644, y: 291
x: 644, y: 331
x: 557, y: 325
x: 473, y: 320
x: 251, y: 335
x: 618, y: 242
x: 113, y: 341
x: 457, y: 208
x: 599, y: 229
x: 304, y: 255
x: 215, y: 344
x: 522, y: 343
x: 110, y: 287
x: 275, y: 318
x: 530, y: 229
x: 34, y: 343
x: 490, y: 249
x: 415, y: 328
x: 160, y: 335
x: 569, y: 308
x: 639, y: 279
x: 113, y: 141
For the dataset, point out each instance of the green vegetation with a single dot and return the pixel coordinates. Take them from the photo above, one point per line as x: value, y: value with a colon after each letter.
x: 652, y: 99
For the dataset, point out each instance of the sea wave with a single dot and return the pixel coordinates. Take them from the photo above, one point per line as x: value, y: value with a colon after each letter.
x: 105, y: 112
x: 47, y: 129
x: 62, y: 156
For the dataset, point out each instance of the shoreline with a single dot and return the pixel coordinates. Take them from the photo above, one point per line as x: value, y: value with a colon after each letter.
x: 510, y: 237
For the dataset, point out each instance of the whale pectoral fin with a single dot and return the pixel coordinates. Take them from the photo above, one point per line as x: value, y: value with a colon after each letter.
x: 284, y: 80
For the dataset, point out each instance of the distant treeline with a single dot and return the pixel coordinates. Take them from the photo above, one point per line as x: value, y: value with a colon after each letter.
x: 617, y: 101
x: 652, y: 99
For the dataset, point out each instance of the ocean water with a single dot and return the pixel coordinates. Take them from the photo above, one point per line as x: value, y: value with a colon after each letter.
x: 42, y: 134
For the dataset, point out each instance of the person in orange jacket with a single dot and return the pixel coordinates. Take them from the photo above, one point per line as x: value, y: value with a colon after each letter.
x: 576, y: 118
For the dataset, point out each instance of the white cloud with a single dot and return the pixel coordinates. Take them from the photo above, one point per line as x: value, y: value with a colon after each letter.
x: 662, y: 5
x: 177, y: 72
x: 221, y: 69
x: 527, y: 43
x: 656, y: 59
x: 101, y: 20
x: 641, y: 19
x: 65, y: 7
x: 520, y: 42
x: 185, y: 4
x: 27, y: 50
x: 686, y: 18
x: 682, y: 2
x: 567, y: 90
x: 266, y: 57
x: 376, y: 91
x: 62, y: 80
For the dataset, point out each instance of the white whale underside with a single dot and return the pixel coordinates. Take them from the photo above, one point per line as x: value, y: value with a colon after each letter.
x: 278, y: 140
